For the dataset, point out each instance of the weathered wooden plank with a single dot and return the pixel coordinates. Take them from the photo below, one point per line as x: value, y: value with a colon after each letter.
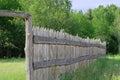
x: 61, y: 55
x: 50, y: 40
x: 52, y: 55
x: 38, y: 56
x: 76, y: 55
x: 61, y: 62
x: 14, y: 14
x: 29, y: 49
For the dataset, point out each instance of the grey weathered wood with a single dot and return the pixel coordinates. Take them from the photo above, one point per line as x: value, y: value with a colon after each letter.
x: 61, y: 62
x: 50, y: 40
x: 29, y: 49
x: 14, y: 14
x: 61, y: 52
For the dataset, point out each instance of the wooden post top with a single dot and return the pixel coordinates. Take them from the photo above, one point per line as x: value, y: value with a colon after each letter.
x: 14, y: 14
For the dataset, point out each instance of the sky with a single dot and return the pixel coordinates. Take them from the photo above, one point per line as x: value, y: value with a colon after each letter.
x: 84, y: 5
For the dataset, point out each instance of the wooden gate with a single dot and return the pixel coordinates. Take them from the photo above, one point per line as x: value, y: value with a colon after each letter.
x: 28, y: 41
x: 50, y: 53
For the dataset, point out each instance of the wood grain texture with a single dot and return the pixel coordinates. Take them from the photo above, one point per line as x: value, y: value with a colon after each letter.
x: 61, y: 62
x: 57, y: 52
x: 50, y: 40
x: 14, y: 14
x: 29, y: 49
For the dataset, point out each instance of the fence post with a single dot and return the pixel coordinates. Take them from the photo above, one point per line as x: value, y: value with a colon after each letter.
x: 29, y: 49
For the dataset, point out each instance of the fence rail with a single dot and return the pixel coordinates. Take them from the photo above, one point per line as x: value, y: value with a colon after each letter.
x: 62, y: 62
x: 57, y: 52
x: 49, y: 40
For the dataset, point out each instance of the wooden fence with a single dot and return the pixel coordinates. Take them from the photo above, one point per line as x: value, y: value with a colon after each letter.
x: 50, y: 53
x: 58, y: 52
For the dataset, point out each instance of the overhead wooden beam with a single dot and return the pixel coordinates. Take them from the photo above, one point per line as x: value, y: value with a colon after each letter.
x: 14, y: 14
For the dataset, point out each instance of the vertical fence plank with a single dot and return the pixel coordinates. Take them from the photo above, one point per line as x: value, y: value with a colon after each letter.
x: 67, y: 54
x: 35, y: 53
x: 50, y: 56
x: 57, y: 57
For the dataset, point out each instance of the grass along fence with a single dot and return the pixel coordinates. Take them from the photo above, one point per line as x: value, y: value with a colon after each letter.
x: 58, y: 52
x: 102, y: 69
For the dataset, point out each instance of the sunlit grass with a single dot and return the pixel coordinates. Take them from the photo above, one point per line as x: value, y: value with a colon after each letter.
x: 116, y: 57
x: 12, y: 69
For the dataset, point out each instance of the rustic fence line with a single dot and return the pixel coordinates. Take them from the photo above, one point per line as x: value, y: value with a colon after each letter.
x: 56, y: 52
x: 50, y: 53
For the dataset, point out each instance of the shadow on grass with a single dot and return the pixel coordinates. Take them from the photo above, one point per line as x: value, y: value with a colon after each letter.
x: 102, y: 69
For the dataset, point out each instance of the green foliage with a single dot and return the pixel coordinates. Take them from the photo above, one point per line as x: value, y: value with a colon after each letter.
x: 48, y: 13
x: 9, y: 5
x: 80, y: 25
x: 89, y: 15
x: 103, y: 22
x: 11, y: 30
x: 103, y: 69
x: 117, y: 26
x: 12, y: 38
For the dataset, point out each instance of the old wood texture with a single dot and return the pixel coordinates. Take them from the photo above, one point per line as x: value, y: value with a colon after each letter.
x: 14, y: 14
x: 57, y: 52
x: 62, y: 62
x: 29, y: 39
x: 29, y: 48
x: 49, y: 40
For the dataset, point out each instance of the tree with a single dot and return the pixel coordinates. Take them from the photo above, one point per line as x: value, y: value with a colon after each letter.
x: 100, y: 23
x: 10, y: 31
x: 103, y: 18
x: 48, y: 13
x: 111, y: 9
x: 89, y: 15
x: 117, y: 26
x: 80, y: 25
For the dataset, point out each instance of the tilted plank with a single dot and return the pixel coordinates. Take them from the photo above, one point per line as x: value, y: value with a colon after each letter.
x: 50, y: 40
x: 61, y: 62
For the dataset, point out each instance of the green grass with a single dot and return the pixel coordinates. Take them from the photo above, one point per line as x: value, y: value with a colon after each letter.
x: 103, y: 69
x: 12, y: 69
